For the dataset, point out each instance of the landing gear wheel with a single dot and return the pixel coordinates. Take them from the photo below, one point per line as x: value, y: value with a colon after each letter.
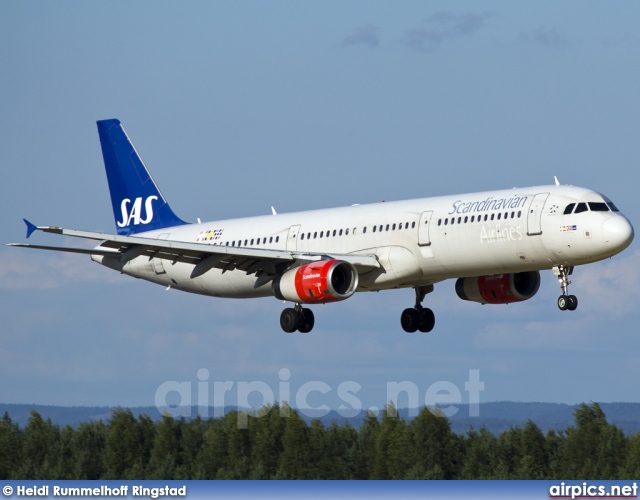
x: 563, y: 302
x: 289, y: 320
x: 306, y: 321
x: 427, y: 320
x: 410, y: 320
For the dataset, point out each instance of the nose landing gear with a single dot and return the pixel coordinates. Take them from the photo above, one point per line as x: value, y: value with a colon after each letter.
x: 565, y: 301
x: 418, y: 317
x: 297, y: 318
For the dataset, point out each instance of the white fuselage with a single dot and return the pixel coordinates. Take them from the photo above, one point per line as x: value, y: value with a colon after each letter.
x: 417, y: 242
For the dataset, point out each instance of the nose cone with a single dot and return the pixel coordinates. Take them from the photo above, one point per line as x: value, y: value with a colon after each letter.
x: 617, y: 233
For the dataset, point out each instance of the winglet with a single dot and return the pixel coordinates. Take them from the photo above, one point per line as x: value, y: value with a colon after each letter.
x: 557, y: 181
x: 30, y: 227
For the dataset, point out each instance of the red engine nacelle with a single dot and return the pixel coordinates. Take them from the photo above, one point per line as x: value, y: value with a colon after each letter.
x: 499, y: 288
x: 317, y: 282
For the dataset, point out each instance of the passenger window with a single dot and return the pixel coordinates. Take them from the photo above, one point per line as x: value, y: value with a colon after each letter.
x: 302, y: 236
x: 492, y: 216
x: 393, y: 228
x: 569, y: 208
x: 581, y: 207
x: 406, y: 225
x: 485, y: 217
x: 264, y: 242
x: 380, y: 229
x: 446, y: 221
x: 245, y: 243
x: 598, y: 206
x: 513, y: 215
x: 387, y: 227
x: 340, y: 233
x: 277, y: 239
x: 453, y: 220
x: 315, y: 235
x: 374, y: 229
x: 439, y: 222
x: 519, y: 213
x: 271, y: 239
x: 499, y: 216
x: 252, y: 241
x: 334, y: 232
x: 226, y: 244
x: 364, y: 230
x: 459, y: 220
x: 466, y: 218
x: 321, y: 234
x: 346, y: 232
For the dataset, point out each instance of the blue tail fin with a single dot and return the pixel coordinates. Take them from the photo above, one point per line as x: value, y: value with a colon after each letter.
x: 138, y: 204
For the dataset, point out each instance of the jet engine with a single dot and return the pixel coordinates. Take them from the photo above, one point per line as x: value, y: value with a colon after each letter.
x: 317, y: 282
x: 499, y: 288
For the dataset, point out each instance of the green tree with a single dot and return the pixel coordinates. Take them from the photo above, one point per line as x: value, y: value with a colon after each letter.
x: 124, y: 454
x: 39, y: 449
x: 266, y: 433
x: 163, y: 461
x: 213, y: 458
x: 436, y: 454
x: 394, y: 447
x: 363, y: 454
x: 631, y: 468
x: 594, y: 448
x: 89, y: 443
x: 295, y: 448
x: 534, y: 460
x: 479, y: 455
x: 10, y: 447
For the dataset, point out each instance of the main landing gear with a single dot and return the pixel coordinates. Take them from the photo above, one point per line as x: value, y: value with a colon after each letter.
x: 418, y: 317
x: 297, y: 318
x: 565, y: 301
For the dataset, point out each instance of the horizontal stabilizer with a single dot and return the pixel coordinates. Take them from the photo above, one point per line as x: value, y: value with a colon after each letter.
x: 86, y: 251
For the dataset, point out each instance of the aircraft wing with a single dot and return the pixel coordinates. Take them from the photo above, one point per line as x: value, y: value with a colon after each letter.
x: 265, y: 263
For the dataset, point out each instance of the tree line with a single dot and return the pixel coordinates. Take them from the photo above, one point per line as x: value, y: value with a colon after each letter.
x: 269, y: 445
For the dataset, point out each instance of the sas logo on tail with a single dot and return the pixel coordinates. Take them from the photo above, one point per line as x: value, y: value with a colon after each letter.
x: 134, y: 213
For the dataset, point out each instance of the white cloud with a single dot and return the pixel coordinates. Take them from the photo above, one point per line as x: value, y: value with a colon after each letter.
x: 442, y: 26
x: 551, y: 37
x: 570, y: 334
x: 363, y: 35
x: 610, y: 287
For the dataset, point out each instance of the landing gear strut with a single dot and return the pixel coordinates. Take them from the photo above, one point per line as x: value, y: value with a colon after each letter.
x: 418, y: 317
x: 297, y: 318
x: 565, y: 301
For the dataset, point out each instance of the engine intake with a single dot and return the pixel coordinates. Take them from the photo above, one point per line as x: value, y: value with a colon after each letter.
x: 317, y: 282
x: 499, y: 288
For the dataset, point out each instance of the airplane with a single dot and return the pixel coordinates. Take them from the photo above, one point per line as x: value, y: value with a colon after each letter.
x: 493, y: 243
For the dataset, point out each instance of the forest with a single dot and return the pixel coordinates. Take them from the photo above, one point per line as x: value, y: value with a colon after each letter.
x: 276, y: 443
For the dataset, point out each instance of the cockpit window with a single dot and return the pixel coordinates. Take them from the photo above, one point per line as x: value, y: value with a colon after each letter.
x: 582, y: 207
x: 612, y: 206
x: 569, y: 208
x: 598, y: 206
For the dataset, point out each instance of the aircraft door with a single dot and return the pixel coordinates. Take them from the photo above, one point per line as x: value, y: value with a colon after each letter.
x: 292, y: 238
x: 423, y: 229
x: 534, y: 216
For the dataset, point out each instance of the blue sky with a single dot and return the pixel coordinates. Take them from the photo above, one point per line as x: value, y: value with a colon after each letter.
x: 237, y: 106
